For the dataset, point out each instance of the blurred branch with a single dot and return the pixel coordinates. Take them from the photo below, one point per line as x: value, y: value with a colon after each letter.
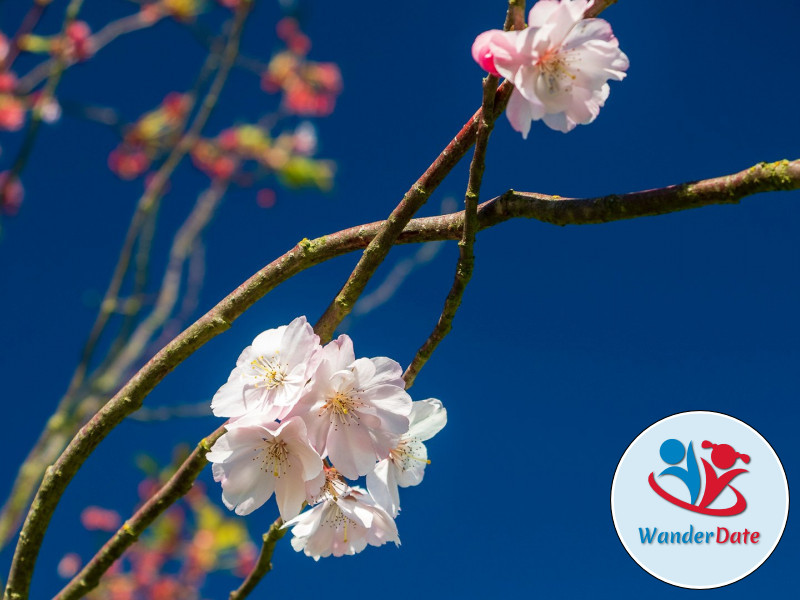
x: 53, y: 74
x: 27, y: 547
x: 29, y: 22
x: 466, y: 256
x: 169, y: 293
x: 179, y: 411
x: 99, y: 40
x: 263, y: 564
x: 178, y: 486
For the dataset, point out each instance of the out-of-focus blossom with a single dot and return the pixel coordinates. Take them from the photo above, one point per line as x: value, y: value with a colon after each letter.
x: 266, y: 198
x: 12, y: 113
x: 50, y: 110
x: 309, y: 88
x: 8, y: 81
x: 69, y: 565
x: 95, y: 518
x: 305, y: 139
x: 128, y: 163
x: 79, y: 45
x: 183, y: 10
x: 11, y: 194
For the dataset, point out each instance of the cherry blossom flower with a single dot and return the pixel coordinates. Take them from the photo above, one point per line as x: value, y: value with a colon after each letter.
x: 255, y: 458
x: 342, y: 523
x: 271, y: 374
x: 355, y: 410
x: 559, y: 65
x: 405, y: 466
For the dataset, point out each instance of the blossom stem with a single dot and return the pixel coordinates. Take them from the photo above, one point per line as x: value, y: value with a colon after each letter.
x: 263, y: 564
x: 176, y: 487
x: 515, y: 17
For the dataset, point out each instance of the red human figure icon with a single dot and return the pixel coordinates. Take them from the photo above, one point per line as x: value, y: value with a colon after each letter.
x: 724, y: 457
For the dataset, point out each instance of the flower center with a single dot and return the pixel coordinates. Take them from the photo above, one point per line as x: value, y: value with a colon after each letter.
x: 404, y: 455
x: 341, y: 409
x: 275, y: 457
x: 268, y: 372
x: 553, y: 65
x: 336, y: 518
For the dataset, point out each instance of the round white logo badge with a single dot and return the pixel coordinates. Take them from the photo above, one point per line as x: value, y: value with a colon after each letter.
x: 699, y: 500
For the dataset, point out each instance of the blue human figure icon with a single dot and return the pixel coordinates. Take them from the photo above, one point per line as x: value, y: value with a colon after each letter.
x: 672, y: 452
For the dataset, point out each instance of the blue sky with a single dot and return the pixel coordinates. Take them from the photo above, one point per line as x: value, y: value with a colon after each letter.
x: 570, y: 340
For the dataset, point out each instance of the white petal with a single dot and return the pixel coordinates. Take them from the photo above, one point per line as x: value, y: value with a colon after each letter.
x: 427, y: 418
x: 559, y: 122
x: 350, y: 450
x: 383, y: 487
x: 519, y: 113
x: 229, y: 399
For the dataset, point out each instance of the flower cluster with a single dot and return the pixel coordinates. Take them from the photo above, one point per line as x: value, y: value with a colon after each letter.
x: 559, y: 65
x: 303, y: 418
x: 251, y: 149
x: 309, y: 88
x: 152, y: 134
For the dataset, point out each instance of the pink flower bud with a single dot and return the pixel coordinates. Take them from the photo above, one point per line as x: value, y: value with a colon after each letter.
x: 482, y: 53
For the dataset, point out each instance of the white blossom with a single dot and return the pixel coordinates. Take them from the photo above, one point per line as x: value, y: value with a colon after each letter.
x: 559, y: 65
x: 344, y: 522
x: 256, y: 458
x: 270, y: 375
x: 406, y: 463
x: 355, y: 410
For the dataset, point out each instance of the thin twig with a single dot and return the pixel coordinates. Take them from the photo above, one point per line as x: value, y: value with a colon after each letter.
x: 263, y: 564
x: 466, y: 255
x: 178, y: 486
